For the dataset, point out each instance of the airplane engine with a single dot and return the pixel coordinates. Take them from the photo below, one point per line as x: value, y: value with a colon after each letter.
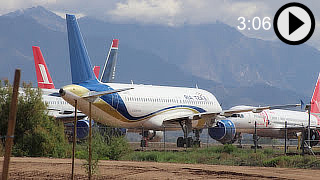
x: 224, y: 132
x: 154, y: 136
x: 82, y: 129
x: 314, y: 137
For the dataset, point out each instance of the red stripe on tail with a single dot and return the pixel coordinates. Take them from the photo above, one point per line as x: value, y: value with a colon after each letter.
x: 43, y: 75
x: 115, y: 43
x: 315, y: 101
x: 96, y: 70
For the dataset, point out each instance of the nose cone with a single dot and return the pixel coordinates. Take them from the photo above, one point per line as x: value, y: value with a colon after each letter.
x: 62, y: 92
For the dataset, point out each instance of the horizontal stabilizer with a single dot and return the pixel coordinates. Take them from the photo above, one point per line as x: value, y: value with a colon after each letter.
x: 93, y: 95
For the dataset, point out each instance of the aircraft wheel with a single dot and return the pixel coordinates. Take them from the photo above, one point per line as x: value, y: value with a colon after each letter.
x: 180, y: 142
x: 189, y: 142
x: 143, y: 143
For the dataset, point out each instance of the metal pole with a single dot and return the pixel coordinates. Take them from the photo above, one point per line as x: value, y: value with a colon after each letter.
x: 207, y: 137
x: 74, y: 136
x: 255, y: 137
x: 285, y: 137
x: 90, y: 138
x: 303, y: 139
x: 164, y: 138
x: 11, y: 124
x: 309, y: 109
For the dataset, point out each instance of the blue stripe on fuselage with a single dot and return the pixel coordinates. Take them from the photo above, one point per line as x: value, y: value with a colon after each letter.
x: 117, y: 103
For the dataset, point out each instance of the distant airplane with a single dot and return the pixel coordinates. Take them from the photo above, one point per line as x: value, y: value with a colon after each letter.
x: 143, y: 107
x: 57, y: 106
x: 109, y: 69
x: 270, y: 123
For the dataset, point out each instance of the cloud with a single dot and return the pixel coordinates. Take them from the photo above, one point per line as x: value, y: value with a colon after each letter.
x: 148, y: 11
x: 171, y: 12
x: 177, y: 12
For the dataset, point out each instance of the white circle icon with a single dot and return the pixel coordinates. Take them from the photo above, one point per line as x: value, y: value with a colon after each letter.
x: 294, y: 23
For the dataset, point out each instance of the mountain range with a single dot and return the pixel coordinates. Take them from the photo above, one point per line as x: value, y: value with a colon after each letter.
x: 216, y: 57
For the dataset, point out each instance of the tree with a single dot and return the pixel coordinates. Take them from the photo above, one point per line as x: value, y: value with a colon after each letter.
x: 36, y: 133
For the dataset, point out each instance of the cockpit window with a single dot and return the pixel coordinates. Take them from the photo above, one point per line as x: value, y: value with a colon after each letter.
x: 235, y: 115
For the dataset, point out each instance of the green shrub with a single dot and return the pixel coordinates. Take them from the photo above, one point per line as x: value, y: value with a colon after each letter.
x: 36, y: 134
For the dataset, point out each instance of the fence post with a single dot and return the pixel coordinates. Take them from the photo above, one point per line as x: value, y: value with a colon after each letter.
x: 74, y: 136
x: 303, y: 140
x: 285, y: 137
x: 164, y: 138
x: 207, y: 137
x: 11, y: 124
x: 255, y: 137
x: 309, y: 110
x: 90, y: 139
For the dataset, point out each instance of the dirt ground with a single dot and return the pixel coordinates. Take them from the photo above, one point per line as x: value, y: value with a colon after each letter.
x: 49, y: 168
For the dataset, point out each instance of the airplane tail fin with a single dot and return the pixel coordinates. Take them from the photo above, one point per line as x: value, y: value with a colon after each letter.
x: 43, y: 75
x: 96, y: 70
x: 109, y: 69
x: 81, y: 68
x: 315, y: 100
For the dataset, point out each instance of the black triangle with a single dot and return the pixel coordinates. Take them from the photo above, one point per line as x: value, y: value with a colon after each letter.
x: 294, y: 23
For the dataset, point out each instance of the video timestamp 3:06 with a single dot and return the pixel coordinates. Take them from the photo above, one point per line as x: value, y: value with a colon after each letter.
x: 255, y: 23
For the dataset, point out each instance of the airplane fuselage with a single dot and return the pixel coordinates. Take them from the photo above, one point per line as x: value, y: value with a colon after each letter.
x: 144, y: 106
x: 271, y: 123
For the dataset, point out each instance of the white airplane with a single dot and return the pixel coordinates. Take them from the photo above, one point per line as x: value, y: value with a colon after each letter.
x: 143, y: 107
x: 58, y: 107
x: 270, y: 123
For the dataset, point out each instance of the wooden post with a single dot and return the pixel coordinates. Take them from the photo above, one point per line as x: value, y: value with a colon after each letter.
x: 11, y: 124
x: 90, y: 138
x: 255, y: 137
x: 285, y: 137
x: 164, y: 138
x: 74, y: 136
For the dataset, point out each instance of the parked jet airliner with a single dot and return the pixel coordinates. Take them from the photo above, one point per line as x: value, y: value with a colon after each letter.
x: 270, y: 123
x: 144, y: 107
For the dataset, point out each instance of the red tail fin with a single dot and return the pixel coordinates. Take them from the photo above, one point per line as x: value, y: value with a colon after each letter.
x: 96, y: 70
x: 315, y: 101
x: 43, y: 76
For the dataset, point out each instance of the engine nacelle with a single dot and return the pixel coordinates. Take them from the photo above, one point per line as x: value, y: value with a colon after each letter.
x: 82, y: 128
x: 154, y: 136
x: 224, y: 132
x: 314, y: 137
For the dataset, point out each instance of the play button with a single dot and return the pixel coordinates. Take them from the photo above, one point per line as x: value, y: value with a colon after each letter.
x: 294, y: 23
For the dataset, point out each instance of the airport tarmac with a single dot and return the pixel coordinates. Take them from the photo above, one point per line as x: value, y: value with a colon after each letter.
x: 50, y: 168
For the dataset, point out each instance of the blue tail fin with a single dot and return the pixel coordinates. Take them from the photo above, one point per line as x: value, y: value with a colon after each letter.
x: 81, y: 68
x: 109, y: 70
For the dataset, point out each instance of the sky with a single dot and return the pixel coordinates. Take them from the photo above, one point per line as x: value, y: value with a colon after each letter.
x: 173, y: 12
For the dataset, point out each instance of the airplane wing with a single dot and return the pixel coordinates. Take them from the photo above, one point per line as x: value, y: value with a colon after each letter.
x: 173, y: 121
x: 256, y: 109
x: 211, y: 116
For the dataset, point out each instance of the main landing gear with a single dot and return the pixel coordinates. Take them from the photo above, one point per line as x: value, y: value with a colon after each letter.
x: 255, y: 142
x: 186, y: 141
x: 144, y: 140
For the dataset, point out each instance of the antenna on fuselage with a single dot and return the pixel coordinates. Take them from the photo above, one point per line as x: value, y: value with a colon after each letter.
x: 132, y: 82
x: 196, y: 86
